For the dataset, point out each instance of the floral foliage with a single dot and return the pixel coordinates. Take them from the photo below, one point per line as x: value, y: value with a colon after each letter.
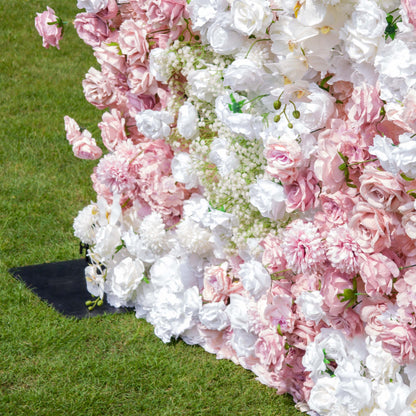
x: 257, y: 193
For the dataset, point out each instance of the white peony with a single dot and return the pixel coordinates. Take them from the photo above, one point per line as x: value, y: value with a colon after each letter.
x: 154, y: 124
x: 405, y: 155
x: 187, y: 121
x: 243, y: 342
x: 255, y: 278
x: 92, y: 6
x: 84, y: 224
x: 382, y: 148
x: 213, y: 316
x: 251, y: 17
x: 269, y: 198
x: 322, y: 397
x: 310, y: 304
x: 237, y: 312
x: 123, y: 281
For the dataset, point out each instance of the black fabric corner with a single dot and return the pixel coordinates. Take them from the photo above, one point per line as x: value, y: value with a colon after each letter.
x: 63, y: 286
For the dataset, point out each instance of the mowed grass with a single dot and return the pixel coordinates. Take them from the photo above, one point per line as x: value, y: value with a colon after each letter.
x: 49, y: 364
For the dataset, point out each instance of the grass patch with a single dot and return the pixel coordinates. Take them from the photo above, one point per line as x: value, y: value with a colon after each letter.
x: 109, y: 365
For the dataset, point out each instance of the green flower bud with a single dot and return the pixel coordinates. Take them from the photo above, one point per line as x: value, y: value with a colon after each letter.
x: 290, y: 125
x: 276, y: 118
x: 88, y: 303
x: 277, y: 104
x: 296, y: 114
x: 100, y: 302
x: 181, y: 38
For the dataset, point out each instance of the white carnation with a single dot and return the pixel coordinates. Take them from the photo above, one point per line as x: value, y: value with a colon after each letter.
x: 153, y: 234
x: 194, y: 238
x: 84, y: 224
x: 213, y: 316
x: 310, y: 304
x: 154, y: 124
x: 244, y: 75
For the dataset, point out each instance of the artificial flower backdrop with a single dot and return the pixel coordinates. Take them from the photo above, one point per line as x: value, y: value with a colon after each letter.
x: 257, y: 192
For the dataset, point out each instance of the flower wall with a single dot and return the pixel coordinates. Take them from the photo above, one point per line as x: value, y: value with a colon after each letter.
x: 257, y: 191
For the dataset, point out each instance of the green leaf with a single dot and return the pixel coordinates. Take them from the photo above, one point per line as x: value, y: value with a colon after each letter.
x: 343, y: 166
x: 406, y: 178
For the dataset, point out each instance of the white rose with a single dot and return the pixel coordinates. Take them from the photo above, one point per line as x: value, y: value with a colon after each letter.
x: 124, y: 279
x: 380, y: 363
x: 311, y: 305
x: 213, y: 316
x: 203, y: 12
x: 154, y: 124
x: 334, y: 343
x: 187, y: 121
x: 222, y: 37
x: 313, y: 360
x: 255, y: 278
x: 183, y: 170
x: 225, y: 159
x: 355, y: 394
x: 92, y: 6
x: 364, y: 32
x: 244, y: 75
x: 165, y: 272
x: 269, y: 198
x: 392, y: 397
x: 251, y: 16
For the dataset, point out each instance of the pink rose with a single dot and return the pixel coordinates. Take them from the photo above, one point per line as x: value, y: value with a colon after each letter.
x: 141, y: 81
x: 108, y: 55
x: 335, y: 208
x: 133, y: 41
x: 333, y: 284
x: 409, y: 7
x: 382, y: 190
x: 217, y: 283
x: 51, y: 33
x: 405, y: 287
x: 270, y: 348
x: 165, y: 12
x: 348, y: 322
x: 302, y: 194
x: 372, y: 228
x: 364, y: 106
x: 110, y: 11
x: 112, y: 129
x: 86, y: 147
x: 377, y: 272
x: 284, y: 157
x: 91, y: 29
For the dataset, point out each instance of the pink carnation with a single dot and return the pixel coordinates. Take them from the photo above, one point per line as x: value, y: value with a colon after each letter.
x: 303, y: 247
x: 91, y: 29
x: 342, y: 249
x: 51, y: 33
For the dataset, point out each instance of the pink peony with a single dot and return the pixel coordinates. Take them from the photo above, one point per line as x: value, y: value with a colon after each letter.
x: 51, y: 33
x: 73, y: 132
x: 91, y: 29
x: 86, y: 147
x: 302, y: 194
x: 364, y: 106
x: 112, y: 129
x: 133, y: 41
x: 98, y: 90
x: 303, y: 247
x: 372, y: 228
x: 349, y: 323
x: 270, y: 348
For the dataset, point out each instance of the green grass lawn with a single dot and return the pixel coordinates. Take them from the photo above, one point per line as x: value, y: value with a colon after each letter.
x: 49, y: 364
